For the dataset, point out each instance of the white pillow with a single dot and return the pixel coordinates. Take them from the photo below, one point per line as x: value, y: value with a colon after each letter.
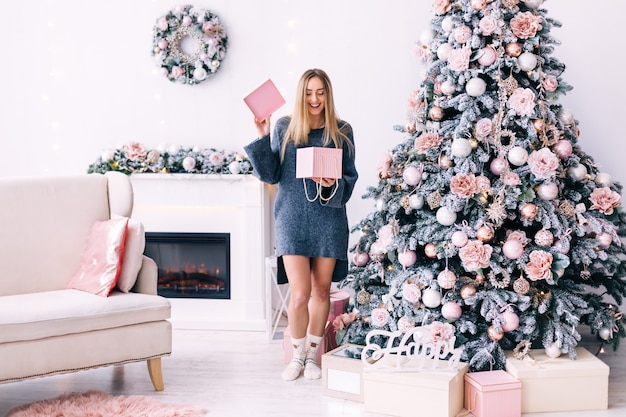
x: 133, y: 255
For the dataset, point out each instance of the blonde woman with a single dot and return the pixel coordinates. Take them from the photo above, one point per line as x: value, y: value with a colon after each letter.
x: 311, y: 229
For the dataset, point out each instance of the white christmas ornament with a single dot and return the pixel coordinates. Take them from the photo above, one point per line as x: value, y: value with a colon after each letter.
x: 380, y: 205
x: 459, y: 239
x: 553, y: 351
x: 416, y: 201
x: 603, y: 179
x: 447, y: 24
x: 444, y: 51
x: 234, y: 167
x: 426, y: 37
x: 476, y: 87
x: 107, y: 155
x: 533, y: 4
x: 189, y: 163
x: 445, y: 217
x: 566, y: 116
x: 578, y: 172
x: 527, y: 61
x: 487, y: 57
x: 431, y: 298
x: 548, y: 191
x: 512, y: 249
x: 518, y: 156
x: 461, y: 148
x: 604, y: 333
x: 448, y: 88
x: 200, y: 73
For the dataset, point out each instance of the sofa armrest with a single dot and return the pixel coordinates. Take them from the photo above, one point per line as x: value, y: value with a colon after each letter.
x: 148, y: 277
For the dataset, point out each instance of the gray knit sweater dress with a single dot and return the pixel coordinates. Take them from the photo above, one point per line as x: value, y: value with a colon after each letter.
x: 313, y: 229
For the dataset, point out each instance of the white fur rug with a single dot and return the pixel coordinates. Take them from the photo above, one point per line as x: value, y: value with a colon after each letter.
x: 101, y: 404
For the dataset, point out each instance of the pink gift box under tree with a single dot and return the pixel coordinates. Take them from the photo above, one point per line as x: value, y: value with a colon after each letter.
x: 493, y: 394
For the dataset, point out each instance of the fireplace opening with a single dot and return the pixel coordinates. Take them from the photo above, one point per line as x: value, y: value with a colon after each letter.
x: 191, y: 265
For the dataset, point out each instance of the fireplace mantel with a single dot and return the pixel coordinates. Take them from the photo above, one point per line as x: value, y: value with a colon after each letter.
x: 209, y: 203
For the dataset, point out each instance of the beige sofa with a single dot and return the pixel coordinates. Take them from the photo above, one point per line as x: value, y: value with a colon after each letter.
x: 46, y: 328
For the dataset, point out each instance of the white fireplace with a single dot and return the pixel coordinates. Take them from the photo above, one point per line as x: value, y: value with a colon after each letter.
x: 239, y: 205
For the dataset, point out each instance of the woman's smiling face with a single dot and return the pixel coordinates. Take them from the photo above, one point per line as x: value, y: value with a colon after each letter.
x: 315, y: 96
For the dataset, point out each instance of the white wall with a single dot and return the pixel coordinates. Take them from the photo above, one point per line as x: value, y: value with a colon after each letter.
x: 77, y: 77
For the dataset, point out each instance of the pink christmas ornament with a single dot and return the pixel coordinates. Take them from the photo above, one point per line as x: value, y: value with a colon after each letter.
x: 562, y: 245
x: 360, y: 258
x: 488, y: 56
x: 510, y: 321
x: 512, y: 249
x: 498, y: 166
x: 446, y: 279
x: 547, y: 191
x: 411, y: 176
x: 604, y: 240
x: 451, y: 310
x: 189, y: 163
x: 544, y: 238
x: 518, y: 156
x: 407, y: 258
x: 563, y: 148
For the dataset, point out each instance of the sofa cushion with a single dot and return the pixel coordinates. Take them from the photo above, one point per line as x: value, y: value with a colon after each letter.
x: 55, y: 313
x: 133, y: 255
x: 102, y: 257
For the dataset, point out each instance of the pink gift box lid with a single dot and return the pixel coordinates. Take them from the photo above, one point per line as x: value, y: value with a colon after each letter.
x: 498, y: 380
x: 264, y: 100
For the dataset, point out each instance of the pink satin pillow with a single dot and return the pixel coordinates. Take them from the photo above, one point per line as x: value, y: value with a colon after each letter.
x: 102, y: 257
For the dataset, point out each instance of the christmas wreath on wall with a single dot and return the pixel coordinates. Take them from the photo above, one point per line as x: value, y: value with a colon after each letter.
x: 189, y: 44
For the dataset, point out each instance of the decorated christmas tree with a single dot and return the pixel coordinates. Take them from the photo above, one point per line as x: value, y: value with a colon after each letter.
x: 490, y: 221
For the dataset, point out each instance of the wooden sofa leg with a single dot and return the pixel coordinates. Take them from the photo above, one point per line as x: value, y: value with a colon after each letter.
x: 156, y: 375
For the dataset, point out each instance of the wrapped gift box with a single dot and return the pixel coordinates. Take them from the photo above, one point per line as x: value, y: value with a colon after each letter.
x: 339, y: 301
x: 329, y: 343
x: 561, y: 384
x: 317, y: 162
x: 342, y: 373
x: 493, y: 394
x: 407, y: 394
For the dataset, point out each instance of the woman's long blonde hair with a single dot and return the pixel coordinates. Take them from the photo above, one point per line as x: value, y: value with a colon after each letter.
x: 299, y: 126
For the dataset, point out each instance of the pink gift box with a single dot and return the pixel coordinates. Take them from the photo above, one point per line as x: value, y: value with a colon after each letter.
x: 316, y: 162
x: 493, y: 394
x: 339, y: 301
x: 329, y: 343
x: 264, y: 100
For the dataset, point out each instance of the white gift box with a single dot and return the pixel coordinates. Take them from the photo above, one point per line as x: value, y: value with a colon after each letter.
x: 342, y: 373
x: 317, y: 162
x: 407, y: 394
x: 561, y: 384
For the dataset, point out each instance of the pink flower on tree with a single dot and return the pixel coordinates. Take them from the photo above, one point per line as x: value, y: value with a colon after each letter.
x: 550, y: 83
x: 441, y: 6
x: 177, y: 72
x: 522, y: 101
x: 604, y: 200
x: 383, y: 166
x: 464, y: 185
x: 380, y: 317
x: 488, y: 25
x: 543, y: 163
x: 459, y: 58
x: 343, y: 320
x: 426, y: 141
x: 484, y: 127
x: 441, y: 331
x: 539, y: 266
x: 475, y: 255
x: 525, y: 25
x: 411, y: 293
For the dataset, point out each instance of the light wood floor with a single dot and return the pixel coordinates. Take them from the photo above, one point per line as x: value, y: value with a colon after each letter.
x: 238, y: 374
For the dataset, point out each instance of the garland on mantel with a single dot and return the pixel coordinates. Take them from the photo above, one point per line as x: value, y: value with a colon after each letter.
x: 135, y: 158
